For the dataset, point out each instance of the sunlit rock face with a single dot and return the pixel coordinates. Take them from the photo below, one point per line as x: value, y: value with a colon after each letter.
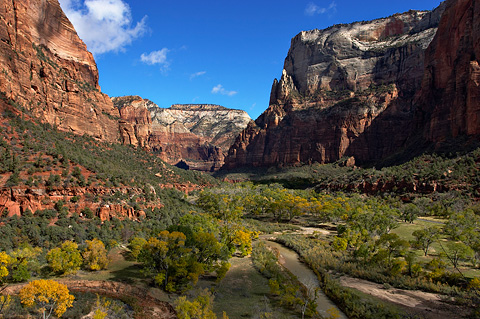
x: 193, y: 136
x: 348, y: 90
x: 47, y: 69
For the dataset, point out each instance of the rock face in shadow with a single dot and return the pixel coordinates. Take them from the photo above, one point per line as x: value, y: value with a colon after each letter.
x: 348, y: 90
x: 193, y: 136
x: 449, y: 101
x: 47, y: 69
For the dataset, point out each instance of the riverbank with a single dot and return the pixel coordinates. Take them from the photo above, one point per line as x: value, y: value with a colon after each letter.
x: 290, y: 260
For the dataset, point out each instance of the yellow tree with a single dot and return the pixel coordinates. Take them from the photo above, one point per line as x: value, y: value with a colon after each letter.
x: 243, y: 240
x: 95, y: 255
x: 65, y: 259
x: 200, y: 308
x: 5, y: 260
x: 47, y: 296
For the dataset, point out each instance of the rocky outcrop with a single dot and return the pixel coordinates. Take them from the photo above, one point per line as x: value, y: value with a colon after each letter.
x: 18, y: 200
x: 400, y: 187
x: 449, y: 101
x: 345, y: 91
x: 47, y: 69
x: 135, y: 122
x: 190, y: 136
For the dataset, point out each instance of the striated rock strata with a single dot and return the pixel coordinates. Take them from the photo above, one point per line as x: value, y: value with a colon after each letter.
x: 17, y: 200
x: 47, y: 69
x: 348, y: 90
x: 449, y: 101
x: 190, y: 136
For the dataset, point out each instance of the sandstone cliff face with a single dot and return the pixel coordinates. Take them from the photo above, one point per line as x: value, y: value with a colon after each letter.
x: 47, y: 69
x: 17, y: 200
x: 345, y: 91
x: 197, y: 136
x: 135, y: 123
x: 449, y: 101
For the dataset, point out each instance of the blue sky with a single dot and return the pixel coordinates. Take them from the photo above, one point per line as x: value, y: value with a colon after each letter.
x: 218, y: 52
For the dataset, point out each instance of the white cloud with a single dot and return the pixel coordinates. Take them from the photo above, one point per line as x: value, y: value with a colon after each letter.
x: 219, y: 89
x: 155, y: 57
x: 104, y: 25
x: 197, y: 74
x: 313, y: 9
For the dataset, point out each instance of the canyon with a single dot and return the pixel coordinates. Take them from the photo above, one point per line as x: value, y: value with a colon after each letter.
x: 368, y: 90
x: 364, y: 91
x: 48, y: 71
x: 354, y: 94
x: 193, y: 136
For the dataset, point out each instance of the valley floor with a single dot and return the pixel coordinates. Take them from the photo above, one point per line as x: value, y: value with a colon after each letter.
x: 423, y: 304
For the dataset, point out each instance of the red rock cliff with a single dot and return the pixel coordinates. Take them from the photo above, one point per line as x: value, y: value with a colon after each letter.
x: 47, y: 69
x: 449, y: 101
x: 345, y: 91
x: 197, y: 136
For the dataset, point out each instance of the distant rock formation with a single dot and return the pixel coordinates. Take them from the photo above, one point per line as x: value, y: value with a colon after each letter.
x: 346, y: 91
x: 195, y: 136
x: 47, y: 69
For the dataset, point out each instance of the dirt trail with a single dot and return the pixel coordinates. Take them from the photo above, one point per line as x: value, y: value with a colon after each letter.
x: 423, y: 304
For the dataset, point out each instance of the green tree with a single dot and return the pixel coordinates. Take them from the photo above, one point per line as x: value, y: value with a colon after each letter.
x: 410, y: 212
x: 168, y: 260
x: 136, y: 245
x: 413, y: 267
x: 424, y: 238
x: 25, y: 261
x: 393, y: 244
x: 457, y: 251
x: 461, y: 226
x: 207, y: 248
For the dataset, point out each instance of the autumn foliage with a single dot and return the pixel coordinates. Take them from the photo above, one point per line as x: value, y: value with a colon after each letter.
x: 95, y: 255
x: 47, y: 296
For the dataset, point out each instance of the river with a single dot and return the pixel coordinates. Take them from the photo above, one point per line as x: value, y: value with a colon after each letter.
x: 305, y: 275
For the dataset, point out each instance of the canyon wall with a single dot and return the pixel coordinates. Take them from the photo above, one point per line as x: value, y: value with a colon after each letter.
x: 348, y: 90
x: 191, y: 136
x: 47, y: 69
x: 449, y: 101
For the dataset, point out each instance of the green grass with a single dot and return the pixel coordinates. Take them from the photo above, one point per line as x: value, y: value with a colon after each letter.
x: 119, y: 269
x: 405, y: 230
x: 241, y: 294
x: 437, y: 248
x: 471, y: 273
